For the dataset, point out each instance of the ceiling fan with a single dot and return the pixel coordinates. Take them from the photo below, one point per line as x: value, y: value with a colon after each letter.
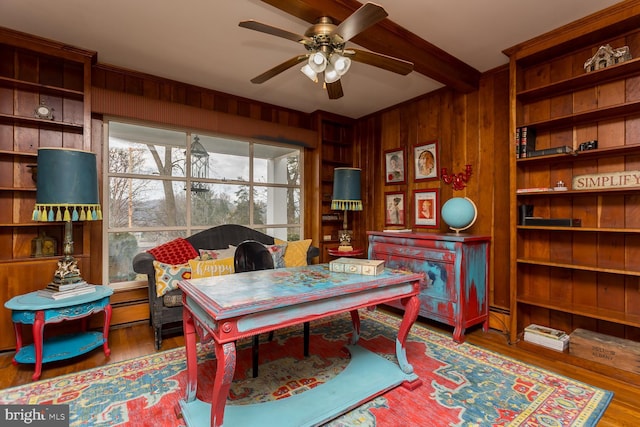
x: 326, y: 54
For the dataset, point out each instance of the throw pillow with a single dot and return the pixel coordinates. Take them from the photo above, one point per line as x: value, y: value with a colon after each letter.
x: 277, y: 253
x: 217, y: 253
x: 168, y: 276
x: 177, y: 251
x: 212, y: 267
x: 296, y: 253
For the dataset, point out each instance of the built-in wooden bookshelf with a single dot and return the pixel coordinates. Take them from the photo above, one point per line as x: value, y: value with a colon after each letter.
x: 577, y: 277
x: 35, y: 71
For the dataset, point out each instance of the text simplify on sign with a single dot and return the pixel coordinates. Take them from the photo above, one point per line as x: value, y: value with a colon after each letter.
x: 606, y: 180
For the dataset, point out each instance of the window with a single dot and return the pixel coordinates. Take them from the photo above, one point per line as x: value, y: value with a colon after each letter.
x: 162, y: 184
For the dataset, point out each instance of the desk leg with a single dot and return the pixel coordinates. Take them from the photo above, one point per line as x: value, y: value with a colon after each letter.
x: 411, y: 308
x: 225, y: 368
x: 355, y: 320
x: 192, y: 355
x: 105, y: 330
x: 38, y: 339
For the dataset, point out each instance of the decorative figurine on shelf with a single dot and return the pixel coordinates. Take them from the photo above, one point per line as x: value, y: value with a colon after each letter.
x: 607, y: 56
x: 560, y: 186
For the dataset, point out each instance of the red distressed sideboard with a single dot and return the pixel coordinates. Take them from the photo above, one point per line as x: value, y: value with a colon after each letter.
x: 456, y: 267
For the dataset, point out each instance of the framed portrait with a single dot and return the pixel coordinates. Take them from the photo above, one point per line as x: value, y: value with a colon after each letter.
x: 394, y: 208
x: 394, y: 166
x: 425, y: 158
x: 426, y: 208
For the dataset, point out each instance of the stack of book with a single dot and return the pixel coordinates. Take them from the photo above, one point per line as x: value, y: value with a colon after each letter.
x: 59, y: 291
x: 554, y: 339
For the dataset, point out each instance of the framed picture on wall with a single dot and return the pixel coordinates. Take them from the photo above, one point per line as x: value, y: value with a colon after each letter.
x: 425, y: 159
x: 426, y: 208
x: 394, y: 166
x: 394, y: 208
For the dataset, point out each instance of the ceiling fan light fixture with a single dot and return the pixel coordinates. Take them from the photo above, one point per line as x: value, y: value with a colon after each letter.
x: 340, y: 63
x: 330, y: 74
x: 307, y: 71
x: 317, y: 62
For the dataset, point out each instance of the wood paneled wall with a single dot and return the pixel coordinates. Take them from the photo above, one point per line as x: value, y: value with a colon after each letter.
x: 470, y: 129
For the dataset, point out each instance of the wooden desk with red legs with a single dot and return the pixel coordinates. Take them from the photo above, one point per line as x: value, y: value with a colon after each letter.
x: 227, y: 308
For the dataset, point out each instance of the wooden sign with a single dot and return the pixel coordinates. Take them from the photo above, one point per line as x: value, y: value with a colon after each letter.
x: 606, y: 180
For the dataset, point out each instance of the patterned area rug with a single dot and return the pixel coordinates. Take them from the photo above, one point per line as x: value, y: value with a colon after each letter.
x: 463, y: 385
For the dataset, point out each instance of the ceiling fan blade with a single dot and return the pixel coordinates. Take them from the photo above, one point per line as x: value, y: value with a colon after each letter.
x: 278, y: 69
x: 366, y: 16
x: 334, y: 90
x: 274, y: 31
x: 379, y: 60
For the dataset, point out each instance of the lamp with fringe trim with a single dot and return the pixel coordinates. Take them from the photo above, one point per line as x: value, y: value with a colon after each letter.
x: 67, y: 191
x: 346, y: 197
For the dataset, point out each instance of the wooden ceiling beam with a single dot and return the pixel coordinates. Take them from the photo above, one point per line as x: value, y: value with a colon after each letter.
x: 391, y: 39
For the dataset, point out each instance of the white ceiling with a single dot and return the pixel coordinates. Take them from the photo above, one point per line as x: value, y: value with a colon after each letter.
x: 199, y: 42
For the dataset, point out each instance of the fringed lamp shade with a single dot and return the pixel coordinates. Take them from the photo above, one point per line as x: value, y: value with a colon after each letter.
x: 346, y: 197
x: 346, y: 189
x: 67, y: 188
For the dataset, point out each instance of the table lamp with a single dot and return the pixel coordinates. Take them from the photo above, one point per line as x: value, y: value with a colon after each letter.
x: 346, y: 197
x: 67, y: 190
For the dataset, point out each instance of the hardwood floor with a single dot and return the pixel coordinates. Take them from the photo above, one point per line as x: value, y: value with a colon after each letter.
x: 137, y: 340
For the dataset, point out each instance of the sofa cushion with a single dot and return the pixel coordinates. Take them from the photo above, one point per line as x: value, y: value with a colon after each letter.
x: 206, y: 254
x: 177, y: 251
x: 168, y: 275
x: 277, y: 253
x: 211, y: 267
x: 296, y: 252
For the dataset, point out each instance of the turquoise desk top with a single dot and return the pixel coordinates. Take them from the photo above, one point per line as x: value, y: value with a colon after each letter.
x: 33, y: 301
x: 243, y: 293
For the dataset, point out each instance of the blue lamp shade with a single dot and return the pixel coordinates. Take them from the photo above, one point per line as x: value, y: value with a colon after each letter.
x: 346, y: 189
x: 67, y: 186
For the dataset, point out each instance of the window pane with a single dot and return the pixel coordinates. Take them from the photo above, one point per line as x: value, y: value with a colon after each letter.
x: 277, y: 205
x: 228, y: 159
x: 146, y: 151
x: 124, y: 246
x: 290, y: 234
x: 215, y: 204
x: 146, y: 203
x: 276, y: 165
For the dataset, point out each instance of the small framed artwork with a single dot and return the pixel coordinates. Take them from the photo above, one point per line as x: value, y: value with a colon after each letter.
x: 425, y: 157
x: 394, y: 208
x: 394, y: 166
x: 425, y: 211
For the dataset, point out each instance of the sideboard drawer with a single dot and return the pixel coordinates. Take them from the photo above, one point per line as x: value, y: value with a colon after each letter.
x: 456, y: 269
x: 437, y: 265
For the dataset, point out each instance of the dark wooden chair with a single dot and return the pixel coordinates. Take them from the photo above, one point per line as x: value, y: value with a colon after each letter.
x: 251, y: 255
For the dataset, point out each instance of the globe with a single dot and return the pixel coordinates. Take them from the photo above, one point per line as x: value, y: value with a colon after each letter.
x: 459, y: 213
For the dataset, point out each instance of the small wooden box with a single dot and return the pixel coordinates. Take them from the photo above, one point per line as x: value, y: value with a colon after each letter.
x: 368, y: 267
x: 617, y: 352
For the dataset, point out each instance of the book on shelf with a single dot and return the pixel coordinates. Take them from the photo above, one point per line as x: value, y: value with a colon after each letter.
x: 533, y: 190
x: 527, y: 141
x: 554, y: 343
x: 517, y: 143
x: 53, y: 294
x: 565, y: 149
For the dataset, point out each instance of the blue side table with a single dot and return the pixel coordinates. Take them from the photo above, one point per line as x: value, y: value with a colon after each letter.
x: 33, y: 309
